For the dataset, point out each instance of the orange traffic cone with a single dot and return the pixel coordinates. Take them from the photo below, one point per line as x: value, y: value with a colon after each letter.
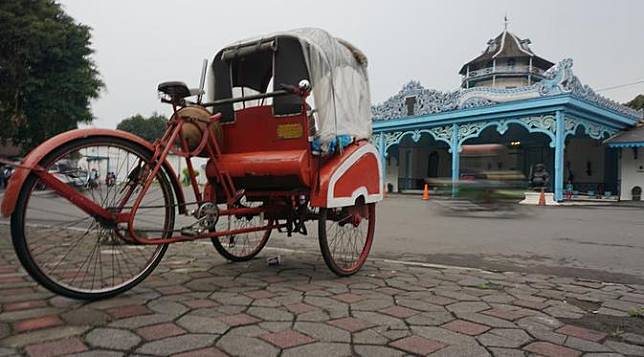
x: 542, y: 198
x: 426, y: 192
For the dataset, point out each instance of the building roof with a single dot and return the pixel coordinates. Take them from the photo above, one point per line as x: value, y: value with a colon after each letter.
x: 629, y: 138
x: 507, y: 45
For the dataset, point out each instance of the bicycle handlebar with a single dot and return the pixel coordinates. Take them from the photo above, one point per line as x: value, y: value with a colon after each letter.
x: 277, y: 93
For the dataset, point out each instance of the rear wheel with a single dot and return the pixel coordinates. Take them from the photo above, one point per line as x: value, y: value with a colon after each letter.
x: 346, y: 235
x: 243, y: 246
x: 68, y: 251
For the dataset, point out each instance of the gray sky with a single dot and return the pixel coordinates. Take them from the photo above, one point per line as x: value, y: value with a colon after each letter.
x: 141, y: 43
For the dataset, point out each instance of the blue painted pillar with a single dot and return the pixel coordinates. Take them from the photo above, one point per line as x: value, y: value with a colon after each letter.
x: 382, y: 152
x: 456, y: 159
x: 560, y: 146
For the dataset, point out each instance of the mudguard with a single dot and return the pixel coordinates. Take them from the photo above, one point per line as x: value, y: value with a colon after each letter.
x: 356, y: 173
x: 36, y: 155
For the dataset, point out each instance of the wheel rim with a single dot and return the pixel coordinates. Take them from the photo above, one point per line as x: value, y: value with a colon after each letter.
x: 349, y: 233
x: 73, y: 250
x: 245, y: 244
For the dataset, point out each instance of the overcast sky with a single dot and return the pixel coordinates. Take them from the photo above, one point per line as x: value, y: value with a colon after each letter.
x: 141, y: 43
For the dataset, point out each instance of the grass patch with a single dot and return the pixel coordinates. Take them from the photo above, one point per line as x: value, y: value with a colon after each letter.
x: 636, y: 312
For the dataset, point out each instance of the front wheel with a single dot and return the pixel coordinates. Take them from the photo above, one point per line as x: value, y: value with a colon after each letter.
x: 345, y: 236
x: 67, y: 250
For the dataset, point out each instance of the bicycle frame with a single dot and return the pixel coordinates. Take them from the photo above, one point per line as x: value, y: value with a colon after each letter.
x: 162, y: 148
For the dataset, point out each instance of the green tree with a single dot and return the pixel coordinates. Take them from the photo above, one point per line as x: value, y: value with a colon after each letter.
x: 637, y: 103
x: 47, y: 77
x: 149, y: 129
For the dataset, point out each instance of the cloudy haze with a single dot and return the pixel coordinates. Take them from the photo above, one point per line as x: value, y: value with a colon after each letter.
x: 141, y: 43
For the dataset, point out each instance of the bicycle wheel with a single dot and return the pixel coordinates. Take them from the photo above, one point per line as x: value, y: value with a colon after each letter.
x: 345, y: 235
x: 244, y: 246
x: 71, y: 253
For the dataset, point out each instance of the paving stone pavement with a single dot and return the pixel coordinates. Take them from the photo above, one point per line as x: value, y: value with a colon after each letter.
x: 197, y: 304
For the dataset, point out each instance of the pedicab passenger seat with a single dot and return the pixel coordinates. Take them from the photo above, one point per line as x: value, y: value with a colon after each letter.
x: 281, y: 163
x: 256, y: 157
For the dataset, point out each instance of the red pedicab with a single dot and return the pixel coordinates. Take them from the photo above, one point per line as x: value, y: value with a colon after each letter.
x: 287, y: 144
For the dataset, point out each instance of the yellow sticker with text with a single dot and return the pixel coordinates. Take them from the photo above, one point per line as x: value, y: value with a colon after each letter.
x: 290, y: 131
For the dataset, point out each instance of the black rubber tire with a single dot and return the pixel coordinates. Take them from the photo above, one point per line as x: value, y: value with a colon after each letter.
x: 326, y: 251
x: 18, y: 222
x: 216, y: 242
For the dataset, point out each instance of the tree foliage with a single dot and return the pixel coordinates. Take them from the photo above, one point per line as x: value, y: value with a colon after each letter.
x: 148, y: 128
x: 637, y: 103
x: 47, y: 77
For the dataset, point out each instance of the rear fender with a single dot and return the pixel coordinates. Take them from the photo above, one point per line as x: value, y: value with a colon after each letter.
x: 36, y: 155
x: 347, y: 177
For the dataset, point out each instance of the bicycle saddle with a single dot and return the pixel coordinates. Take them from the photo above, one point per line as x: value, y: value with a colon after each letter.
x: 177, y: 90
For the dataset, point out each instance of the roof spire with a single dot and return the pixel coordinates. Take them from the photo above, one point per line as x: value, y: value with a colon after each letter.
x: 505, y: 22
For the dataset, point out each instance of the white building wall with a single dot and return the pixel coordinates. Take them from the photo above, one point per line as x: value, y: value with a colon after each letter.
x: 632, y: 172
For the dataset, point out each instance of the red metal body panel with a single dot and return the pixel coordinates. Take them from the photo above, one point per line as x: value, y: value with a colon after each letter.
x: 268, y: 163
x: 346, y: 177
x: 356, y: 176
x: 260, y: 144
x: 36, y: 155
x: 256, y: 129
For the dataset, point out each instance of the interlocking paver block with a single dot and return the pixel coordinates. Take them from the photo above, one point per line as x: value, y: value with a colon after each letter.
x: 325, y: 349
x: 350, y: 324
x: 535, y: 305
x: 466, y: 327
x: 349, y: 298
x: 583, y: 333
x: 286, y: 338
x: 238, y: 320
x: 204, y: 352
x: 56, y: 348
x: 159, y: 331
x: 500, y: 337
x: 259, y: 294
x: 418, y: 345
x: 323, y: 332
x: 468, y: 306
x: 551, y: 350
x: 113, y: 339
x: 299, y: 308
x: 200, y: 303
x: 24, y: 305
x: 236, y: 345
x: 625, y: 348
x: 177, y: 344
x: 169, y: 290
x: 202, y: 324
x: 128, y: 311
x: 399, y: 312
x: 37, y: 323
x: 510, y: 315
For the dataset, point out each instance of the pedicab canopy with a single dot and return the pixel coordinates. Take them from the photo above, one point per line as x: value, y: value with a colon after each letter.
x: 336, y: 70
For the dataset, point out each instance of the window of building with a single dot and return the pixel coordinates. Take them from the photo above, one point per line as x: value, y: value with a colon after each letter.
x: 511, y: 61
x: 410, y: 102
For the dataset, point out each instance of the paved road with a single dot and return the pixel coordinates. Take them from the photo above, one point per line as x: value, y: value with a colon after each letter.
x: 597, y: 242
x: 609, y: 239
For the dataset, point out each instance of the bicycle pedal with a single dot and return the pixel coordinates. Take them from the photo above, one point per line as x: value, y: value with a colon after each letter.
x: 189, y: 232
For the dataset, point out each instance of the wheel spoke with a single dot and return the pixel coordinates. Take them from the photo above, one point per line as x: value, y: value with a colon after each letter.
x: 242, y: 246
x: 74, y: 254
x: 345, y: 237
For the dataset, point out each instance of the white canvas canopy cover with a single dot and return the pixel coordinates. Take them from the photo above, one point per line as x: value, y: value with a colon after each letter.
x: 338, y: 75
